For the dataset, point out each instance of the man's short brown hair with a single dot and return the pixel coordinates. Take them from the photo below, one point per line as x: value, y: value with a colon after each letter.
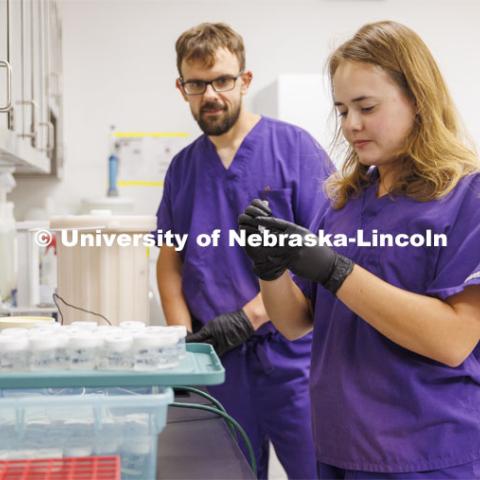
x: 200, y: 43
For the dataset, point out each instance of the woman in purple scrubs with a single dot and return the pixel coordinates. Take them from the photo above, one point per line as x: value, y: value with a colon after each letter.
x: 393, y: 295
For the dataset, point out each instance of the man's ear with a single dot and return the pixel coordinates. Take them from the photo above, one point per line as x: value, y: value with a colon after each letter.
x: 246, y: 79
x: 178, y: 85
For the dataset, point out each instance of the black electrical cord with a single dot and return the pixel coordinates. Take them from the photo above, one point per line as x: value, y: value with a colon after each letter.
x: 55, y: 296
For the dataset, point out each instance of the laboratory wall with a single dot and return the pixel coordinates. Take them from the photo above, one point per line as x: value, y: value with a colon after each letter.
x: 119, y: 69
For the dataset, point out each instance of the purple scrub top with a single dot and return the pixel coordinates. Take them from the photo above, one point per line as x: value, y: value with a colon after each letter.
x: 377, y: 406
x: 277, y: 162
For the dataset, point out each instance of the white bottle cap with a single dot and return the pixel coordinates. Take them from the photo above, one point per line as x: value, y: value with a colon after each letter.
x: 156, y: 340
x: 15, y: 331
x: 11, y: 343
x: 180, y: 329
x: 118, y: 343
x: 43, y: 342
x: 132, y: 325
x: 84, y: 340
x: 85, y: 325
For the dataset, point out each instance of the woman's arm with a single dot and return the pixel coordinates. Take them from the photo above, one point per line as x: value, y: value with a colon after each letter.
x: 445, y: 331
x: 287, y: 307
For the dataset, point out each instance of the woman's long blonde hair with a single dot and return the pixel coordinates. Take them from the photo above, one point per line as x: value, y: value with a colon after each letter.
x: 435, y: 156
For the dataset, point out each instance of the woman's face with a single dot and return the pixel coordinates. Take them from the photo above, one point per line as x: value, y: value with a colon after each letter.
x: 376, y: 115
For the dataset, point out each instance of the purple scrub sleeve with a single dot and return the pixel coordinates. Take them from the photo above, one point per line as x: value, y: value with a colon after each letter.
x: 376, y: 406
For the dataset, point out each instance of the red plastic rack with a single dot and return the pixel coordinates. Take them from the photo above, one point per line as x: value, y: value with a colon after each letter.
x: 81, y: 468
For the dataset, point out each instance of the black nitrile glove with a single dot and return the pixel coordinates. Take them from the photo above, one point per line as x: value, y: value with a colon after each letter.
x: 263, y: 267
x: 224, y: 332
x: 316, y: 263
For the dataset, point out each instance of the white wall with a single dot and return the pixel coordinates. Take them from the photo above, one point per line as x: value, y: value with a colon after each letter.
x: 119, y: 66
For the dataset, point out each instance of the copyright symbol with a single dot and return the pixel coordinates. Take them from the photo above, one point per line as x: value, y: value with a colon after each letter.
x: 43, y: 238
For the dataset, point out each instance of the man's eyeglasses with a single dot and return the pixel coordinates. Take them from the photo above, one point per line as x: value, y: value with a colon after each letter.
x: 224, y: 83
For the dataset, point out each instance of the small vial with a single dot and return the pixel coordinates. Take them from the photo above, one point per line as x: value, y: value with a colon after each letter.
x: 179, y: 330
x: 154, y: 351
x: 82, y: 351
x: 43, y: 349
x: 117, y: 353
x: 13, y: 353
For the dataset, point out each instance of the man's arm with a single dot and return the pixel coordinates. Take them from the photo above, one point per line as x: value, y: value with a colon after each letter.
x: 169, y: 281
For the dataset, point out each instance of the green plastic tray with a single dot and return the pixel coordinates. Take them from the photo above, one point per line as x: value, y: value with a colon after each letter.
x: 200, y: 367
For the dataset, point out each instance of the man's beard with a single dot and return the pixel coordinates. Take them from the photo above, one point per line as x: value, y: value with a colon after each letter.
x: 219, y: 124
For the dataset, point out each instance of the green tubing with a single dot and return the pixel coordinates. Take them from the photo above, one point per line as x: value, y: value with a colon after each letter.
x: 228, y: 418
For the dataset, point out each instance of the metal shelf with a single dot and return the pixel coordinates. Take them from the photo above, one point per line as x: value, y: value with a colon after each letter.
x: 16, y: 152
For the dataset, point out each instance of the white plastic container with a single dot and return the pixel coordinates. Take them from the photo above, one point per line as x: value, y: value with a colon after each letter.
x: 82, y: 351
x: 154, y: 351
x: 62, y: 353
x: 13, y: 353
x: 110, y: 280
x: 85, y: 325
x: 132, y: 326
x: 117, y: 352
x: 43, y: 351
x: 179, y: 330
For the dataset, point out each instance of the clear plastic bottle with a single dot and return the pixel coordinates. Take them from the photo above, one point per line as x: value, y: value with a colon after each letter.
x: 13, y: 353
x: 117, y: 352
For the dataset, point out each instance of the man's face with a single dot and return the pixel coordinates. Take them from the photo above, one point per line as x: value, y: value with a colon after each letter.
x: 215, y: 112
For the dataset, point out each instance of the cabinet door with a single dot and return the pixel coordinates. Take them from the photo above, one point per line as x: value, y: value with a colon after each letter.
x: 5, y: 68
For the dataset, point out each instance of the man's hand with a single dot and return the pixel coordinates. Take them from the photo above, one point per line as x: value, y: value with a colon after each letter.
x: 263, y: 267
x: 224, y: 332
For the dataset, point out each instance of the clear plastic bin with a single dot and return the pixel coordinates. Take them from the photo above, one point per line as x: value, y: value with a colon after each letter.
x: 74, y: 422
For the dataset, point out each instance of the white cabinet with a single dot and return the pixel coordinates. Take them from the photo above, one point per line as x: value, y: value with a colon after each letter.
x: 30, y: 91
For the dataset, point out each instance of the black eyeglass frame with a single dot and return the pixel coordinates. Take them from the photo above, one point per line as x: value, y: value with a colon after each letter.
x: 210, y: 82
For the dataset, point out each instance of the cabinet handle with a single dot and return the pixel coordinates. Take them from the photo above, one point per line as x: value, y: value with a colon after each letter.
x: 8, y: 106
x: 50, y: 132
x: 33, y: 131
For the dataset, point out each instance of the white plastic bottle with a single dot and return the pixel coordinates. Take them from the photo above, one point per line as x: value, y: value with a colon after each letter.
x: 13, y: 353
x: 43, y: 352
x: 117, y: 352
x: 153, y: 351
x: 82, y: 350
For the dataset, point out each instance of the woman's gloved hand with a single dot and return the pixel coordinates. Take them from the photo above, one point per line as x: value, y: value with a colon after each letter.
x: 263, y: 267
x: 316, y: 263
x: 224, y: 332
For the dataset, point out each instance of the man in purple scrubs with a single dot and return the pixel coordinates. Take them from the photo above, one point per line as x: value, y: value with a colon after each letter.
x: 240, y: 156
